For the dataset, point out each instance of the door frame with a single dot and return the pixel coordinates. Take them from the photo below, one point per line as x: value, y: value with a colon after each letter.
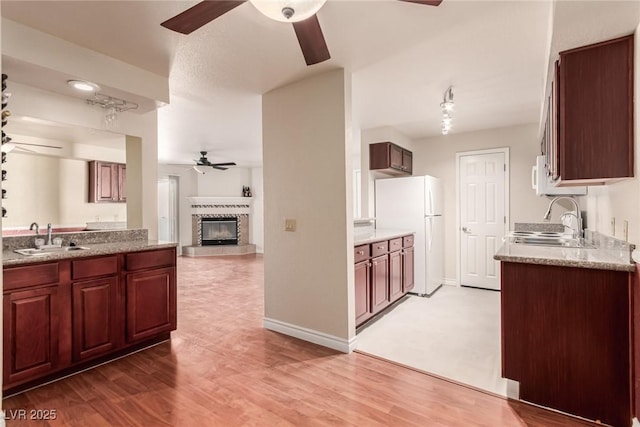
x: 459, y: 155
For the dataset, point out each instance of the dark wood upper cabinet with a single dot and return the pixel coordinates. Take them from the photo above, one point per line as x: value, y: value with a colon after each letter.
x: 595, y: 113
x: 390, y: 158
x: 107, y: 182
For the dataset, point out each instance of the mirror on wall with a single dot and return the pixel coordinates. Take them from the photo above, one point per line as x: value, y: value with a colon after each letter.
x: 47, y: 176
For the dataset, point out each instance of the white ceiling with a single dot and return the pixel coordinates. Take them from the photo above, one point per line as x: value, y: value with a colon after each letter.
x: 403, y: 57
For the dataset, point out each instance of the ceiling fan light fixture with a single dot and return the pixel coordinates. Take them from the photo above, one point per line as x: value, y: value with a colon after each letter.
x: 288, y: 10
x: 83, y: 85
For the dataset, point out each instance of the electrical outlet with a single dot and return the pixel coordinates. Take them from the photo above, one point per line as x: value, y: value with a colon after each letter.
x: 289, y: 224
x: 613, y: 225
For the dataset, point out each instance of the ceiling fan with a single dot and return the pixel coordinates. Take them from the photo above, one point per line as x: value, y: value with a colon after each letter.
x: 203, y: 161
x: 301, y: 13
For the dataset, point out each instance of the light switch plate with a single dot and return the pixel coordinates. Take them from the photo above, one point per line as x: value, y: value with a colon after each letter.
x: 289, y: 224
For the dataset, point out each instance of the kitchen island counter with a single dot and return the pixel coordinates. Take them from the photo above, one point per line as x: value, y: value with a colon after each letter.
x: 601, y: 258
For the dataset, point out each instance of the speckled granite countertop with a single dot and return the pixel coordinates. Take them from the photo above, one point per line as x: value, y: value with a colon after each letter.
x: 11, y: 258
x: 379, y: 234
x: 601, y: 258
x: 98, y: 242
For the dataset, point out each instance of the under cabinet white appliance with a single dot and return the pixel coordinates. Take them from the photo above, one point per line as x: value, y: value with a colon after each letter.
x: 540, y: 182
x: 414, y: 203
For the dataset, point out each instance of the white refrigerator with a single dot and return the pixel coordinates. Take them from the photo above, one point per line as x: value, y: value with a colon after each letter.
x: 414, y: 203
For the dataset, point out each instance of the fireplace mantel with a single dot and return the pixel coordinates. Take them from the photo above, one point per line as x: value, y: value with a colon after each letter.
x: 219, y: 200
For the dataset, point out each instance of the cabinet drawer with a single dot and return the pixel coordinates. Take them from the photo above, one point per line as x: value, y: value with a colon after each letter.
x: 361, y: 253
x: 407, y: 241
x: 32, y: 275
x: 85, y: 268
x: 395, y: 244
x: 151, y: 259
x: 379, y: 248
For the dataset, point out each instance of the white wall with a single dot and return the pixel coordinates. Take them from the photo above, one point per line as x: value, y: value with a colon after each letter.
x: 437, y: 156
x: 223, y: 183
x: 371, y: 136
x: 42, y: 50
x: 256, y: 229
x: 52, y: 190
x: 308, y: 274
x: 621, y: 200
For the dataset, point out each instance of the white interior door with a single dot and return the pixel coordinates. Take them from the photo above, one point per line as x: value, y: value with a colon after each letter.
x: 482, y: 183
x: 168, y: 208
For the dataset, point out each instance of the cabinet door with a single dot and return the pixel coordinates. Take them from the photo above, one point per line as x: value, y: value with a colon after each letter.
x: 150, y: 303
x: 407, y: 161
x: 122, y: 182
x: 30, y: 334
x: 395, y: 156
x: 596, y: 111
x: 94, y: 310
x: 395, y: 275
x: 363, y: 294
x: 106, y: 176
x: 379, y: 283
x: 407, y: 269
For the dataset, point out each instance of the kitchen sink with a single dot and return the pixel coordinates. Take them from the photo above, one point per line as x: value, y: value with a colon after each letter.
x: 47, y: 251
x: 547, y: 238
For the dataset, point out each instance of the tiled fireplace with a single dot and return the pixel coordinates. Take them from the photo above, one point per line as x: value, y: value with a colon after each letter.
x: 212, y: 223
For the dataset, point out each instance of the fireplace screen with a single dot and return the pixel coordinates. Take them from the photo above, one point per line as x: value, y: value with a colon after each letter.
x: 219, y: 231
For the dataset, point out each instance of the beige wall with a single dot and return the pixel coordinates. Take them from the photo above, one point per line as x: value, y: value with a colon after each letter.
x: 621, y: 200
x: 308, y: 273
x: 220, y: 183
x: 437, y: 156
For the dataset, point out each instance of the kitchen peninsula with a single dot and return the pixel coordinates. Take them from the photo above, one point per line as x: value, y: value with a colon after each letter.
x: 102, y: 295
x: 569, y: 327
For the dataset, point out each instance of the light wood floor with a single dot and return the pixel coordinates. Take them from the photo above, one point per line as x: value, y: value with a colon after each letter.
x: 222, y: 369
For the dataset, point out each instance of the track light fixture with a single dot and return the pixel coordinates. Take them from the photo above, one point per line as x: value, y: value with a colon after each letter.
x: 447, y: 108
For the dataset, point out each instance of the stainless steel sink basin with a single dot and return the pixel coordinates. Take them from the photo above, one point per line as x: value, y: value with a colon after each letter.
x: 47, y: 251
x: 543, y: 238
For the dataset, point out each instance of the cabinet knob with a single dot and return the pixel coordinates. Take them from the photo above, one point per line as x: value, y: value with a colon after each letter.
x: 360, y: 252
x: 380, y: 247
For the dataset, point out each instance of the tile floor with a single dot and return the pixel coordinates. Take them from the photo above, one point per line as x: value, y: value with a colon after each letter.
x: 454, y: 334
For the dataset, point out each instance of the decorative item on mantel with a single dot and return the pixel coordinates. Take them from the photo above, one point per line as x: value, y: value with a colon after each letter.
x: 246, y: 191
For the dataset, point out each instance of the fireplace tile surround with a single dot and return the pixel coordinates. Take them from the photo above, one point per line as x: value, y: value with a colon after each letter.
x: 219, y: 207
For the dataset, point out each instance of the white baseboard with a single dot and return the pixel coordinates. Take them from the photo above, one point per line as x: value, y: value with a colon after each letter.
x: 450, y: 282
x: 513, y: 389
x: 316, y: 337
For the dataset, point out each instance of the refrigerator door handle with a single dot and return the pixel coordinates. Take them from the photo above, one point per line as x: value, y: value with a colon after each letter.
x: 430, y: 234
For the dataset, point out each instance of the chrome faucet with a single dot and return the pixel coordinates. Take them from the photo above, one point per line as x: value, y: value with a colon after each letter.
x: 49, y: 242
x: 578, y: 214
x: 36, y: 226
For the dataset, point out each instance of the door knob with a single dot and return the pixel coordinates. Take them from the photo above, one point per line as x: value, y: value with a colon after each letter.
x: 466, y: 229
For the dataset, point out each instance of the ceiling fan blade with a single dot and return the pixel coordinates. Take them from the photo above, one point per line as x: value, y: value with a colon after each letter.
x: 219, y: 167
x: 38, y: 145
x: 314, y: 48
x: 223, y: 164
x: 425, y: 2
x: 200, y: 14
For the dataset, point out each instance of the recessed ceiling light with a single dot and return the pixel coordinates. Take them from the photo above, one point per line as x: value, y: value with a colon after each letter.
x: 83, y: 85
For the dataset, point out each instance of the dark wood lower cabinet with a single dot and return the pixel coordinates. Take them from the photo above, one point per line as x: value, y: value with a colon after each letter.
x: 150, y: 303
x: 60, y: 317
x: 30, y: 333
x: 383, y: 274
x: 362, y: 281
x: 566, y: 336
x: 395, y: 275
x: 95, y: 325
x: 408, y: 282
x: 379, y: 283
